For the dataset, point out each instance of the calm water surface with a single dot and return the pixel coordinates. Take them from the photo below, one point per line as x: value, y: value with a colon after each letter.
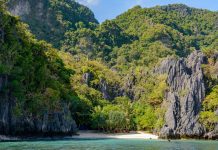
x: 111, y: 144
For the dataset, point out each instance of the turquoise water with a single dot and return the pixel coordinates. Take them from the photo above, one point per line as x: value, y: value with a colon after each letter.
x: 111, y: 144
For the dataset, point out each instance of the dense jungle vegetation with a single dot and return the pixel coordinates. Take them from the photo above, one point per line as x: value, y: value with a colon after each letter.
x: 103, y: 71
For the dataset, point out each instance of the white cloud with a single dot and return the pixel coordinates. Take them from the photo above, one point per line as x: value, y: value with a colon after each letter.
x: 88, y: 2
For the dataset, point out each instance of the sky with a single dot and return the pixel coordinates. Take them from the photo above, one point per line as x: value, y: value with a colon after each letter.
x: 109, y: 9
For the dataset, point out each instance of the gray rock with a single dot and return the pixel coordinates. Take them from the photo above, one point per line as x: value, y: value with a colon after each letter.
x: 109, y: 91
x: 4, y: 105
x: 168, y: 133
x: 87, y: 77
x: 213, y: 135
x: 51, y: 123
x: 129, y: 85
x: 185, y: 95
x: 59, y: 122
x: 104, y: 89
x: 22, y: 8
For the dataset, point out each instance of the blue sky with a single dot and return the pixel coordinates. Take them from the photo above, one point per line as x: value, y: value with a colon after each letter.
x: 109, y: 9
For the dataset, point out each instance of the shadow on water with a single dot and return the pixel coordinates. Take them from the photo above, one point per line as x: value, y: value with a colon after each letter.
x: 54, y: 139
x: 108, y: 144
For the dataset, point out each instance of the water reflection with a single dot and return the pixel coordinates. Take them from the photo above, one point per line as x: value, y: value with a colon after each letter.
x: 111, y: 144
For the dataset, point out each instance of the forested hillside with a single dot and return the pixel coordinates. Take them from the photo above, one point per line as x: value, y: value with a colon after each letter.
x: 137, y: 41
x: 152, y: 69
x: 35, y: 84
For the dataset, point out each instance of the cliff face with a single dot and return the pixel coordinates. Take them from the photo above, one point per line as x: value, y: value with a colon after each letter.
x: 4, y: 106
x: 49, y: 20
x: 185, y: 95
x: 55, y: 123
x: 38, y: 16
x: 16, y: 114
x: 109, y: 91
x: 22, y: 9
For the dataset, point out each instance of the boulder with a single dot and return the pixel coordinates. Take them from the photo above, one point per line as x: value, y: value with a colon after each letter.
x: 168, y: 133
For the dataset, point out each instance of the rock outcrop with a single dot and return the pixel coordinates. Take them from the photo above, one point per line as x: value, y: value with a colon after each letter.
x: 109, y: 91
x: 185, y: 95
x: 129, y: 85
x: 213, y: 135
x: 22, y: 8
x: 87, y: 77
x: 49, y: 20
x: 50, y: 123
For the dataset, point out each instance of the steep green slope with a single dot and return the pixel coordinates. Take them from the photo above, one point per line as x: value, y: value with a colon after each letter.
x: 136, y: 42
x: 141, y: 36
x: 108, y: 73
x: 50, y: 19
x: 178, y: 28
x: 34, y: 82
x: 38, y: 83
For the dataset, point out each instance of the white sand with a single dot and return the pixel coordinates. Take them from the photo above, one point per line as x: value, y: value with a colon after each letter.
x: 131, y: 135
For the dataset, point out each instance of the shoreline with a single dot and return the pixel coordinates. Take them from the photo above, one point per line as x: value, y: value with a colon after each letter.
x: 91, y: 135
x: 99, y: 135
x: 86, y: 135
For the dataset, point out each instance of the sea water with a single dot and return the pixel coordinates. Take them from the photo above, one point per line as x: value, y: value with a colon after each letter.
x: 111, y: 144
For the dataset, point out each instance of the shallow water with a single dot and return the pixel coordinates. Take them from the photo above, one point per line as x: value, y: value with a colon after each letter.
x: 111, y: 144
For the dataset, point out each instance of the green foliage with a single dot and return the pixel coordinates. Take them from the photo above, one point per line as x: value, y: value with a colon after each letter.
x: 118, y: 56
x: 144, y: 36
x: 209, y: 119
x: 112, y: 118
x: 211, y: 101
x: 160, y: 114
x: 145, y: 116
x: 177, y: 27
x: 116, y: 121
x: 208, y: 116
x: 99, y: 119
x: 97, y: 42
x: 37, y: 76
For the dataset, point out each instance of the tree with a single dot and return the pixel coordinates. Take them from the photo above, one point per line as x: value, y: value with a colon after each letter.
x: 210, y: 105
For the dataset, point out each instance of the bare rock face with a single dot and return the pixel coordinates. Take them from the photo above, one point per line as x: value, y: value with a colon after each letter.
x: 22, y: 8
x: 109, y: 91
x: 49, y: 20
x: 184, y: 98
x: 128, y: 87
x: 50, y: 123
x: 27, y: 8
x: 4, y: 105
x: 87, y: 77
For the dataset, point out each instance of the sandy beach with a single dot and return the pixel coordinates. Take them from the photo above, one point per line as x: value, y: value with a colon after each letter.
x: 85, y: 135
x: 131, y: 135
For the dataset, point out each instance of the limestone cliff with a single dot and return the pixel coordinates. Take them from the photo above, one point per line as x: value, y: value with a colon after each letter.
x: 53, y: 123
x: 185, y: 95
x: 50, y: 19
